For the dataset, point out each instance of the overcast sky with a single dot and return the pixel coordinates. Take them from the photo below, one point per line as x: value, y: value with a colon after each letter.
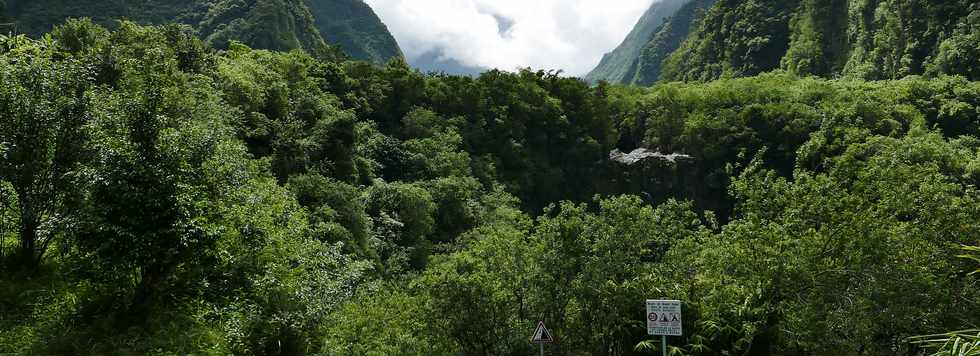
x: 571, y: 35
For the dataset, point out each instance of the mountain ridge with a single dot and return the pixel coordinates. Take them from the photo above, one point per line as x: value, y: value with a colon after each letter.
x: 266, y: 24
x: 356, y: 28
x: 619, y: 65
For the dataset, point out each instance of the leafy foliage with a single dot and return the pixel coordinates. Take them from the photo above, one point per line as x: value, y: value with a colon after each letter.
x: 190, y: 200
x: 42, y: 142
x: 954, y: 343
x: 734, y: 38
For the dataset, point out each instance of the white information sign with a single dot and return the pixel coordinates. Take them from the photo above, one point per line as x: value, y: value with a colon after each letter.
x: 664, y: 317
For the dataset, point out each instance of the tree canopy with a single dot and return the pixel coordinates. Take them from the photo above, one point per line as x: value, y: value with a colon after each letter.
x: 161, y: 196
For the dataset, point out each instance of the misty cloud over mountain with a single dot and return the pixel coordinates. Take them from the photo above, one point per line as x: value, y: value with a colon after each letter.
x: 571, y: 35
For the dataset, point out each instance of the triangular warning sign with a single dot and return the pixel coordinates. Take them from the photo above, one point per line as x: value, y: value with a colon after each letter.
x: 664, y: 318
x: 541, y: 334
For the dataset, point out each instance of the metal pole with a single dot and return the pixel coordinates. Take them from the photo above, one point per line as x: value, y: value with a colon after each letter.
x: 663, y: 344
x: 541, y: 345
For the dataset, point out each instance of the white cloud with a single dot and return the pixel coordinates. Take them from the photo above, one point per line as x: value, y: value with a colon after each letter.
x: 571, y: 35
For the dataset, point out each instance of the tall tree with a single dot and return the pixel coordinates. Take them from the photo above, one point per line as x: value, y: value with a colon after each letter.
x: 43, y: 109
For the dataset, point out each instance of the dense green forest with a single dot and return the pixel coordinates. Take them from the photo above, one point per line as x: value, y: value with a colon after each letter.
x: 161, y: 196
x: 866, y: 39
x: 264, y: 24
x: 666, y: 40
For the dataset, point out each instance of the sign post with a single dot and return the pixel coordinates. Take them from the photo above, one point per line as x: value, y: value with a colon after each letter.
x: 541, y: 336
x: 664, y: 318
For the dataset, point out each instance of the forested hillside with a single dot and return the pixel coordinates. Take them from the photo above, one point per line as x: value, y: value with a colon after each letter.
x: 619, y: 66
x: 36, y: 17
x: 866, y: 39
x: 353, y: 25
x: 159, y: 196
x: 666, y: 40
x: 266, y: 24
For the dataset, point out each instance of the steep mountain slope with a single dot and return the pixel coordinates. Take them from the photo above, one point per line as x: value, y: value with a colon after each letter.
x: 735, y: 38
x: 666, y: 40
x: 353, y: 25
x: 266, y: 24
x: 619, y: 66
x: 269, y: 24
x: 35, y: 17
x: 868, y: 39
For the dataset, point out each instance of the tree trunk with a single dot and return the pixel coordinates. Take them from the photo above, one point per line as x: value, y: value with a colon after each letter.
x: 27, y: 254
x: 146, y: 290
